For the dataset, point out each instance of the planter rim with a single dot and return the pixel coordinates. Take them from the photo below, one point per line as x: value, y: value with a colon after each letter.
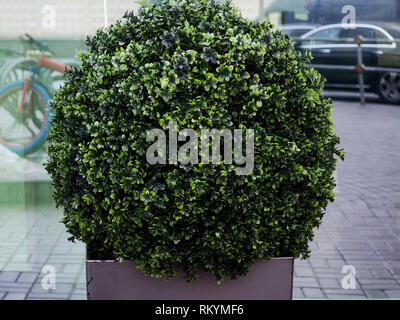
x: 112, y: 261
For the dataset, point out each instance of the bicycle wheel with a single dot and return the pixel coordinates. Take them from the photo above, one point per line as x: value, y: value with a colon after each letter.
x: 23, y: 132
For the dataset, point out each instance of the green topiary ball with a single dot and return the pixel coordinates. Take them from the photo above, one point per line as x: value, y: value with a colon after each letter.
x: 202, y: 65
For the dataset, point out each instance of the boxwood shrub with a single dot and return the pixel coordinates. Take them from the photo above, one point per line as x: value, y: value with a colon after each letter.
x: 203, y: 65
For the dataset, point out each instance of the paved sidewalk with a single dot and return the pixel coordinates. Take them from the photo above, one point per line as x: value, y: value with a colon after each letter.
x: 31, y: 238
x: 362, y: 227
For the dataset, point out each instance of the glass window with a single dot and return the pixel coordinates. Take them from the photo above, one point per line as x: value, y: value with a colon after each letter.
x: 369, y: 34
x: 380, y: 36
x: 326, y: 34
x: 330, y: 11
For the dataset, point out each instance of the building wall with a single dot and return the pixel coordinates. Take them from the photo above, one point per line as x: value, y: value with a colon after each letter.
x: 74, y: 18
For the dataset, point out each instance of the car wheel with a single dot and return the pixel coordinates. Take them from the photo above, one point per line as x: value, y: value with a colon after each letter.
x: 389, y: 87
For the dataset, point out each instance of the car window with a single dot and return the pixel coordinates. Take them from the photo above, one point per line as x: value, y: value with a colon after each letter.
x: 368, y: 34
x: 394, y: 31
x: 329, y: 33
x: 296, y: 33
x: 382, y: 37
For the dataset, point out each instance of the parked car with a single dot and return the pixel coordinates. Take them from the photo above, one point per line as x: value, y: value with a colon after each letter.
x: 375, y: 54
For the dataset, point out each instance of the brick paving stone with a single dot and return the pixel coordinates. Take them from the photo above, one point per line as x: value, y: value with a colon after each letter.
x: 344, y: 292
x: 62, y: 250
x: 381, y: 284
x: 48, y: 296
x: 314, y: 293
x: 60, y: 288
x: 82, y: 277
x: 393, y: 293
x: 57, y: 265
x: 303, y: 272
x: 329, y: 283
x: 67, y: 278
x: 65, y: 258
x: 20, y: 266
x: 9, y: 276
x: 80, y: 286
x: 21, y: 257
x: 36, y: 267
x: 15, y: 296
x: 78, y: 297
x: 381, y: 274
x: 72, y: 268
x: 14, y: 289
x: 386, y: 255
x: 78, y: 250
x: 336, y: 264
x: 305, y: 282
x: 28, y: 277
x: 5, y: 285
x: 376, y: 294
x: 362, y: 263
x: 319, y: 263
x: 81, y: 294
x: 342, y: 297
x: 302, y: 263
x: 393, y: 263
x: 298, y: 293
x: 320, y: 255
x: 39, y: 257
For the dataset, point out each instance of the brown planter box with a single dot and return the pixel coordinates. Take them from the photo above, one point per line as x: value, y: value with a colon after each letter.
x: 110, y: 280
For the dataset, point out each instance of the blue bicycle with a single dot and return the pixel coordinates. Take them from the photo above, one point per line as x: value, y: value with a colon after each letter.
x: 25, y: 88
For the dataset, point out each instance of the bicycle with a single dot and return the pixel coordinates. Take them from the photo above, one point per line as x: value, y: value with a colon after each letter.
x: 24, y: 112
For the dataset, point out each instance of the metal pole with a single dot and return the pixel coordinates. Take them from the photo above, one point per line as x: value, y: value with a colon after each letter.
x: 105, y: 14
x: 360, y: 68
x: 260, y: 10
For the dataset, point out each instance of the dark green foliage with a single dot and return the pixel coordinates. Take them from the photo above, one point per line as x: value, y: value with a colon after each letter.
x: 203, y: 65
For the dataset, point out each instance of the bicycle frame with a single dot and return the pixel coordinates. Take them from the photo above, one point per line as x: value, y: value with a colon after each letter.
x: 42, y: 61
